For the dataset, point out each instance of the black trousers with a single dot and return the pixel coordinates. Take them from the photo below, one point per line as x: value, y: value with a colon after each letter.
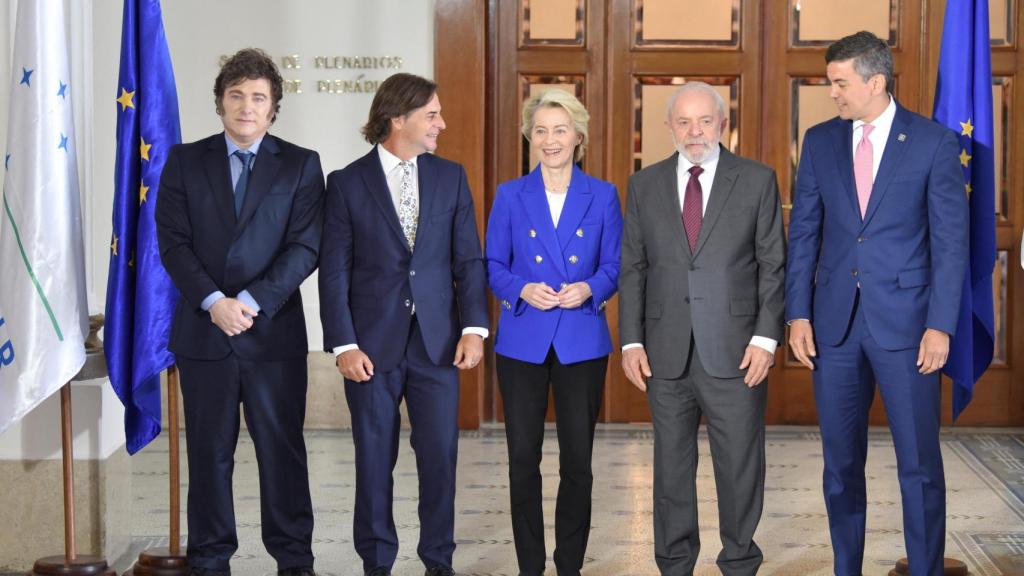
x: 273, y: 396
x: 577, y: 389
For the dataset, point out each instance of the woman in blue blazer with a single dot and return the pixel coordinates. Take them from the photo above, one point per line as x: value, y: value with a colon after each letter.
x: 553, y: 262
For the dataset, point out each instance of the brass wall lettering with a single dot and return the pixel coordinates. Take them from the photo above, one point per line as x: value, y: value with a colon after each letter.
x: 358, y: 85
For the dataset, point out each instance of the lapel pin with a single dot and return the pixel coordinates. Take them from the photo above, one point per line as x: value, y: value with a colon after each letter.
x: 533, y: 233
x: 902, y: 137
x: 579, y: 232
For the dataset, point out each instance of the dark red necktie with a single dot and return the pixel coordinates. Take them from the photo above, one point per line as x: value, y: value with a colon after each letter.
x: 693, y: 207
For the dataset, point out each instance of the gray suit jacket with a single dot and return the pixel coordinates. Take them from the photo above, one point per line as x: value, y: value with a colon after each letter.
x: 728, y: 290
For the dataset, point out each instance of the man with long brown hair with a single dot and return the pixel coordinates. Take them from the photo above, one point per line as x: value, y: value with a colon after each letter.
x: 238, y: 221
x: 404, y: 307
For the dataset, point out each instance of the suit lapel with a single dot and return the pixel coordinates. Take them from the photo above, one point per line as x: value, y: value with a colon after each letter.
x: 427, y: 176
x: 539, y: 213
x: 842, y: 141
x: 895, y: 146
x: 218, y: 175
x: 577, y: 202
x: 668, y: 205
x: 377, y: 185
x: 721, y: 188
x: 265, y: 168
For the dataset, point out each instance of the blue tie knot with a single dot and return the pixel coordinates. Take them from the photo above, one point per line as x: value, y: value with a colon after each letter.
x: 246, y: 157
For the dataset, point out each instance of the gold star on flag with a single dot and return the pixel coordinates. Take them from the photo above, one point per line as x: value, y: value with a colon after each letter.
x: 964, y: 158
x: 144, y: 148
x: 967, y: 129
x: 125, y: 99
x: 113, y: 246
x: 143, y: 189
x: 131, y: 262
x: 968, y: 188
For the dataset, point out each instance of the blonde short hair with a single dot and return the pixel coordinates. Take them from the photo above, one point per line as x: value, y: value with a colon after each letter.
x: 558, y: 99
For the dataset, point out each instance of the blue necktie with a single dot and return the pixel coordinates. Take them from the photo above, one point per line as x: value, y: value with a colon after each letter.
x: 243, y: 179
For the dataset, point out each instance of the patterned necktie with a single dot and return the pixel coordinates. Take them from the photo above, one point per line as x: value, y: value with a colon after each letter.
x: 408, y: 205
x: 243, y: 179
x: 693, y: 207
x: 863, y: 165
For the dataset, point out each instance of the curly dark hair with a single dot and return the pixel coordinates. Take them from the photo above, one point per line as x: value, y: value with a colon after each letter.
x: 397, y: 96
x: 249, y: 64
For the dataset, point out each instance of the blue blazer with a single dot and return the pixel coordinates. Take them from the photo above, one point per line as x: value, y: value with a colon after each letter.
x: 369, y: 279
x: 909, y: 252
x: 524, y: 246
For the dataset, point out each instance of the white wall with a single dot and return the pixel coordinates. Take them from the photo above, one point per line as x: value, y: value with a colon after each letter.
x: 200, y: 31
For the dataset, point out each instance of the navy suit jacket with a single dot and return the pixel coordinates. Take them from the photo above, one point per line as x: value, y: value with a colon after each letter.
x: 369, y: 279
x: 523, y: 245
x: 909, y: 252
x: 269, y: 249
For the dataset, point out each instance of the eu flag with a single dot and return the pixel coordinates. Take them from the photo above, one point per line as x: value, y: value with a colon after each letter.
x: 140, y: 295
x: 963, y: 102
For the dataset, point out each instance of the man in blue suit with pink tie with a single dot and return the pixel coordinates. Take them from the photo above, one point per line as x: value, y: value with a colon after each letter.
x: 877, y: 253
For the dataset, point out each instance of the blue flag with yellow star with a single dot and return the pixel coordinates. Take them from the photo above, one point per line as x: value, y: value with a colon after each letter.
x: 140, y: 295
x: 963, y: 102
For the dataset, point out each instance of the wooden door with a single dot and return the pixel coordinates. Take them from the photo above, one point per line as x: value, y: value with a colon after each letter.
x: 623, y: 57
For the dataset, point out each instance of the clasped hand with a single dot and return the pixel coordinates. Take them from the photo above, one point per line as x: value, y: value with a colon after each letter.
x: 543, y: 297
x: 232, y: 316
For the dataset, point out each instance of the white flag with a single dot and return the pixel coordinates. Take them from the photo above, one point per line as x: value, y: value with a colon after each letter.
x: 43, y: 308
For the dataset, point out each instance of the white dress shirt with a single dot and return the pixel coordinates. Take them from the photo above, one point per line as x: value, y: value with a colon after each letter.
x: 556, y: 201
x: 706, y: 178
x: 878, y: 137
x: 393, y: 174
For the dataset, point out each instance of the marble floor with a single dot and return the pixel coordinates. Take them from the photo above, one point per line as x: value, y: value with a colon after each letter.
x: 984, y: 474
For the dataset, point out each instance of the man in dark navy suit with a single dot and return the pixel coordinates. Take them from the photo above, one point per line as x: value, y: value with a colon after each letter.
x: 403, y: 304
x: 877, y: 255
x: 238, y: 222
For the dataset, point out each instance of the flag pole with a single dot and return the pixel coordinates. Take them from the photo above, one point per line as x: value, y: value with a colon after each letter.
x: 67, y: 452
x: 950, y: 567
x: 168, y: 561
x: 70, y: 564
x: 174, y: 464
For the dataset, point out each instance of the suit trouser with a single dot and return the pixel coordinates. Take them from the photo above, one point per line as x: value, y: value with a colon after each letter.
x: 431, y: 393
x: 273, y: 396
x: 577, y: 389
x: 734, y: 415
x: 844, y: 387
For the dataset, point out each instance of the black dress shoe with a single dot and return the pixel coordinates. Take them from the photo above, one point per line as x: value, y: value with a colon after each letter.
x: 379, y: 571
x: 194, y: 571
x: 439, y: 570
x: 304, y: 571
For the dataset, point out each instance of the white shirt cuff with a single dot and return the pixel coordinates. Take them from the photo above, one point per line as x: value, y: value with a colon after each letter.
x: 632, y: 345
x: 481, y: 332
x: 339, y: 349
x: 765, y: 343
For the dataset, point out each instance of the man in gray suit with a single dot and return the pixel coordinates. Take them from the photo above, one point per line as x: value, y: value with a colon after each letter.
x: 701, y: 311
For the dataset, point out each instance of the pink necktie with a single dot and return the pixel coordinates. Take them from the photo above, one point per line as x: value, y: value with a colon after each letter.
x: 693, y: 207
x: 863, y: 164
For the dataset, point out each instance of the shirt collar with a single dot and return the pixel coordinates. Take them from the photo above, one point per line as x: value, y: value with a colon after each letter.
x: 884, y: 119
x: 232, y: 147
x: 709, y: 163
x: 389, y: 161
